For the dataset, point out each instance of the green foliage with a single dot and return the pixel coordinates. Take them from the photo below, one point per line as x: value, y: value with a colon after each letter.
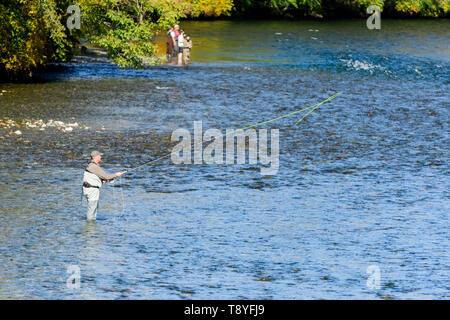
x: 283, y: 5
x: 126, y: 28
x: 356, y: 7
x: 120, y: 27
x: 276, y: 8
x: 31, y: 34
x: 34, y: 32
x: 318, y: 8
x: 424, y: 8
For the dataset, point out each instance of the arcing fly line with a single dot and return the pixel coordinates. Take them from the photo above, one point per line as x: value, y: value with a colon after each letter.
x: 311, y: 108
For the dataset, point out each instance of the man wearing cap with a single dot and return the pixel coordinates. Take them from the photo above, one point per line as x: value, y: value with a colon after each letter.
x: 94, y: 177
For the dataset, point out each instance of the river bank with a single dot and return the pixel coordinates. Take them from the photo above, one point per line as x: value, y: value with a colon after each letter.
x: 96, y: 54
x: 29, y: 41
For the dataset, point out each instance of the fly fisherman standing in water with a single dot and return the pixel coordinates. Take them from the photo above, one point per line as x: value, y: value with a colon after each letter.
x: 94, y: 177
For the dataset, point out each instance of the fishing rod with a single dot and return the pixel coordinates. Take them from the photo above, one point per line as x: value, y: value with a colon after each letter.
x: 311, y: 108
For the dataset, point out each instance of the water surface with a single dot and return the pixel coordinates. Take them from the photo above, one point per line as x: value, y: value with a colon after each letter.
x: 363, y: 180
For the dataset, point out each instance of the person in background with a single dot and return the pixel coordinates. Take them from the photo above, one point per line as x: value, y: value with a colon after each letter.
x: 187, y: 50
x: 180, y: 47
x: 176, y: 30
x: 176, y: 33
x: 170, y: 41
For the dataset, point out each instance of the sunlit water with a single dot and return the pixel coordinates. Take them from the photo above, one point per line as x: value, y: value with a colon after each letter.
x: 363, y: 180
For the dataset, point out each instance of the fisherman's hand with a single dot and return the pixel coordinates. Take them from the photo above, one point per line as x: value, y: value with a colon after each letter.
x: 120, y: 173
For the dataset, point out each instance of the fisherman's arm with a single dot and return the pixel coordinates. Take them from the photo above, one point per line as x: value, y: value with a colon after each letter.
x: 99, y: 172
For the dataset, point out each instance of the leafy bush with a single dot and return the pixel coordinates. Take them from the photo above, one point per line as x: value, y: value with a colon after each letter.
x: 31, y: 33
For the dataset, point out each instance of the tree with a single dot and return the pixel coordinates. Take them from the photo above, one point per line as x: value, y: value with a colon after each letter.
x: 34, y: 32
x: 31, y: 34
x: 126, y: 28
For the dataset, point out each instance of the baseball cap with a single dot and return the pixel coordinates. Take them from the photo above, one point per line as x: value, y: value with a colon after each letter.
x: 96, y: 153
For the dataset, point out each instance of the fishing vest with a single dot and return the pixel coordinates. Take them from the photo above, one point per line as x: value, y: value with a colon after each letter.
x: 92, y: 179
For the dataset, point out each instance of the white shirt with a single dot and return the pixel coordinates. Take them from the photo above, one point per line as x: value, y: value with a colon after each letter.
x: 180, y: 40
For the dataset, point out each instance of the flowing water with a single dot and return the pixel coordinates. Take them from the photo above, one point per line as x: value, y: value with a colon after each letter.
x: 362, y: 182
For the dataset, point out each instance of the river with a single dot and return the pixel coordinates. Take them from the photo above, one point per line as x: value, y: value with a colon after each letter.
x: 362, y: 183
